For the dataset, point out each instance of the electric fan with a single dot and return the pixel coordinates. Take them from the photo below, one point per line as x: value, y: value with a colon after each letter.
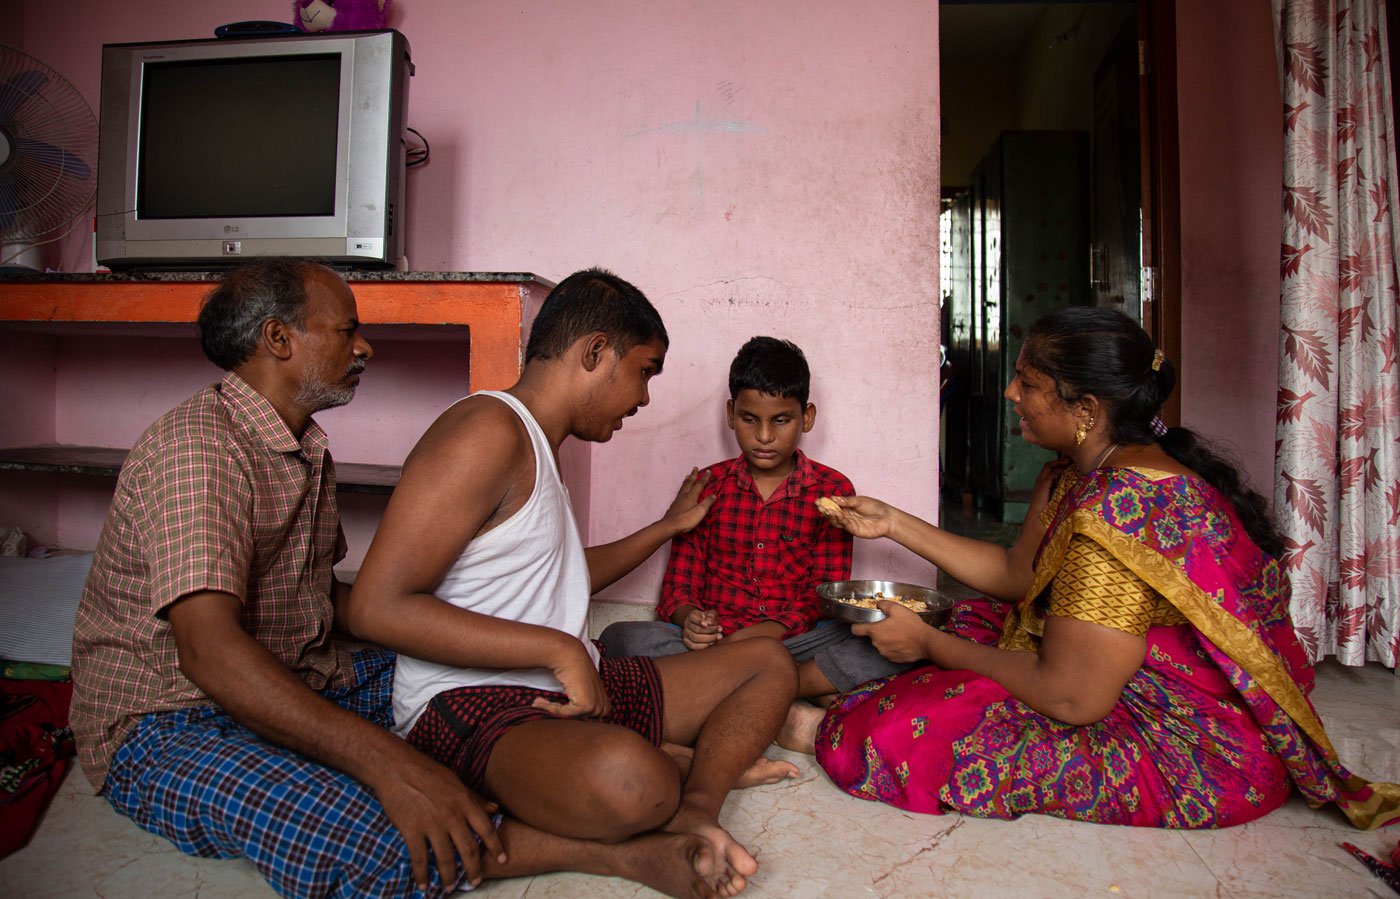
x: 48, y: 151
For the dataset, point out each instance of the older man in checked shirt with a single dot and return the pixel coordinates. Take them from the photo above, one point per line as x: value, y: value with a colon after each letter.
x: 212, y: 705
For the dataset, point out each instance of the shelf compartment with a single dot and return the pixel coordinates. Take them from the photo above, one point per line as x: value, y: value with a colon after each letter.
x: 106, y: 461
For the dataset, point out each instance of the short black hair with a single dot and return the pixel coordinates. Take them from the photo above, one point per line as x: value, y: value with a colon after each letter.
x: 231, y: 319
x: 772, y: 366
x: 590, y: 301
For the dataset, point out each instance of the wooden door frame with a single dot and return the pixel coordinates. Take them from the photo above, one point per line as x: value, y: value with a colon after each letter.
x: 1161, y: 175
x: 1161, y: 182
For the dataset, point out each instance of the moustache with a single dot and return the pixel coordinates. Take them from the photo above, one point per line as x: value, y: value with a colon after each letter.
x: 356, y: 367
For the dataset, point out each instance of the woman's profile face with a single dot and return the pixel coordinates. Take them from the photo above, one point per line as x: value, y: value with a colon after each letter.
x: 1046, y: 420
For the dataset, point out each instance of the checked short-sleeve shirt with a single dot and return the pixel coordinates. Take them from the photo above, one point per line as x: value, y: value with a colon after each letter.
x: 753, y: 560
x: 216, y: 495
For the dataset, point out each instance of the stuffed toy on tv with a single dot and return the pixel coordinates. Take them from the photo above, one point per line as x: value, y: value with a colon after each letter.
x: 341, y: 15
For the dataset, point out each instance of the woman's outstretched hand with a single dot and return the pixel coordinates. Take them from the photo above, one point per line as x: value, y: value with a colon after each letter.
x: 900, y: 637
x: 860, y: 515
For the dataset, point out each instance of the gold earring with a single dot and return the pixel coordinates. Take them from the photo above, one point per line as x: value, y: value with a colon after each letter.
x: 1082, y: 432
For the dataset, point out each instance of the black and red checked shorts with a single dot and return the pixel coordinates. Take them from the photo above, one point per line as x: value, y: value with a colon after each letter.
x: 460, y: 727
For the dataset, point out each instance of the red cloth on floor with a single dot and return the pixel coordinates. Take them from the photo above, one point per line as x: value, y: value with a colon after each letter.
x: 36, y: 750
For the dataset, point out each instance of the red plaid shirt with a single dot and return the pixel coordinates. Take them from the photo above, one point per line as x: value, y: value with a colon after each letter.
x: 216, y: 495
x: 754, y: 561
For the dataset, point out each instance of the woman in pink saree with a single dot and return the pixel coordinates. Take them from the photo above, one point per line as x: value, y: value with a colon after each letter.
x: 1134, y: 662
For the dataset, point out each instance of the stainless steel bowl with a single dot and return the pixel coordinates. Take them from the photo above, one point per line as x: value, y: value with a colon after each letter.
x: 832, y: 592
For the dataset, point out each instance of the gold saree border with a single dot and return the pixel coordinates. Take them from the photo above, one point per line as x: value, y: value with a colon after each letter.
x: 1233, y: 637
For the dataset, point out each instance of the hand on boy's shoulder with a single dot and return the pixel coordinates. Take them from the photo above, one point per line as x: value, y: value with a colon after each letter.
x: 690, y: 506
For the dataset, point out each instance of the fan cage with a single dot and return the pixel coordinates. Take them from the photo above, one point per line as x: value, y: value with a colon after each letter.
x: 50, y: 175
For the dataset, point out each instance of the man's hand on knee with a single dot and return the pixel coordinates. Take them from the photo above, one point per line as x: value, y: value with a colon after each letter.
x: 431, y: 807
x: 426, y: 802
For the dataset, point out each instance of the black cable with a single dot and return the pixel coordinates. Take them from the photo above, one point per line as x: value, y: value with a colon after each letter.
x: 416, y: 156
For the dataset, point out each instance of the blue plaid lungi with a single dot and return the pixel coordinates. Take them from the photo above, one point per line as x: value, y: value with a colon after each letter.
x: 215, y: 789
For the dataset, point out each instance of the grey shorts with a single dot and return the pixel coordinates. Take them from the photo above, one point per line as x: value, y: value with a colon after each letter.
x: 845, y: 659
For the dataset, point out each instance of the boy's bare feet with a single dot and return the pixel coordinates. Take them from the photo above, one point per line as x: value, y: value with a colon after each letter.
x: 734, y: 864
x: 799, y: 731
x: 677, y: 864
x: 763, y: 771
x: 766, y: 771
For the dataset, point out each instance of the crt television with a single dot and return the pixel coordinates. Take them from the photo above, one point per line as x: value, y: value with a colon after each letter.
x: 215, y: 151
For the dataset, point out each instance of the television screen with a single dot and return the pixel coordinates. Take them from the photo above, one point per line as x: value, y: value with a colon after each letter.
x: 200, y: 158
x: 216, y: 151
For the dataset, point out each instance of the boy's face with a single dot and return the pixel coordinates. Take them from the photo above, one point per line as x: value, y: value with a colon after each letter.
x: 768, y: 429
x: 621, y: 388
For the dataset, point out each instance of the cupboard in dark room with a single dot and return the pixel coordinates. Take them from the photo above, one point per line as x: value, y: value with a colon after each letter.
x: 1020, y: 248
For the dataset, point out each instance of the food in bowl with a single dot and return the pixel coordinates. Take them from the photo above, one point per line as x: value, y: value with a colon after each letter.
x: 873, y: 602
x: 857, y: 601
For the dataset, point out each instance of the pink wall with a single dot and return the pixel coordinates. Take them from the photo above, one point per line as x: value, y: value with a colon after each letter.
x: 94, y: 385
x: 754, y: 168
x: 105, y: 400
x: 1231, y: 219
x: 27, y: 501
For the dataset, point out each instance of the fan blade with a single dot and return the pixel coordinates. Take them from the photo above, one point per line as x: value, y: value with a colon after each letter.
x: 15, y: 92
x: 9, y: 201
x: 57, y: 157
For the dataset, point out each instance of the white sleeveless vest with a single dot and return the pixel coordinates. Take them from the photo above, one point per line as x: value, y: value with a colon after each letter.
x: 529, y: 568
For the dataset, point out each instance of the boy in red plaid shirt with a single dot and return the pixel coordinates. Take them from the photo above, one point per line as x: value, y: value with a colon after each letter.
x: 751, y: 568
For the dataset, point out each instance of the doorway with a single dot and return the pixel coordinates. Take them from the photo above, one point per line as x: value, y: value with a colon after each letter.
x: 1058, y: 160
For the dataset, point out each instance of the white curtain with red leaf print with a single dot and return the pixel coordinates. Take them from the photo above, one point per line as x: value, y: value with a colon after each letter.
x: 1338, y: 437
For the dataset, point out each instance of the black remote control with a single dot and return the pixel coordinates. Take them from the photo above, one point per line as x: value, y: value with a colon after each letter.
x: 256, y: 28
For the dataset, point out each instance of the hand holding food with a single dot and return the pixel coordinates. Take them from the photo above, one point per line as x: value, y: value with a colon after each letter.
x: 860, y: 515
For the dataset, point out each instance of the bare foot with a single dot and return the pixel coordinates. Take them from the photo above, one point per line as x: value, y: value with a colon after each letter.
x: 762, y: 771
x: 735, y: 866
x: 681, y: 755
x: 766, y: 771
x: 799, y: 731
x: 677, y: 864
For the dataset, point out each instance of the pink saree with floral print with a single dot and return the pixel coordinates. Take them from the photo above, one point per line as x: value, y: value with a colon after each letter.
x: 1214, y: 729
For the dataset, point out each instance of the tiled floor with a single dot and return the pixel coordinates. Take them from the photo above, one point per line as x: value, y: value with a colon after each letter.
x: 812, y: 840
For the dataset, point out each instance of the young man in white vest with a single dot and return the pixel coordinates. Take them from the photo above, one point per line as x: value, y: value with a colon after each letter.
x: 478, y: 579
